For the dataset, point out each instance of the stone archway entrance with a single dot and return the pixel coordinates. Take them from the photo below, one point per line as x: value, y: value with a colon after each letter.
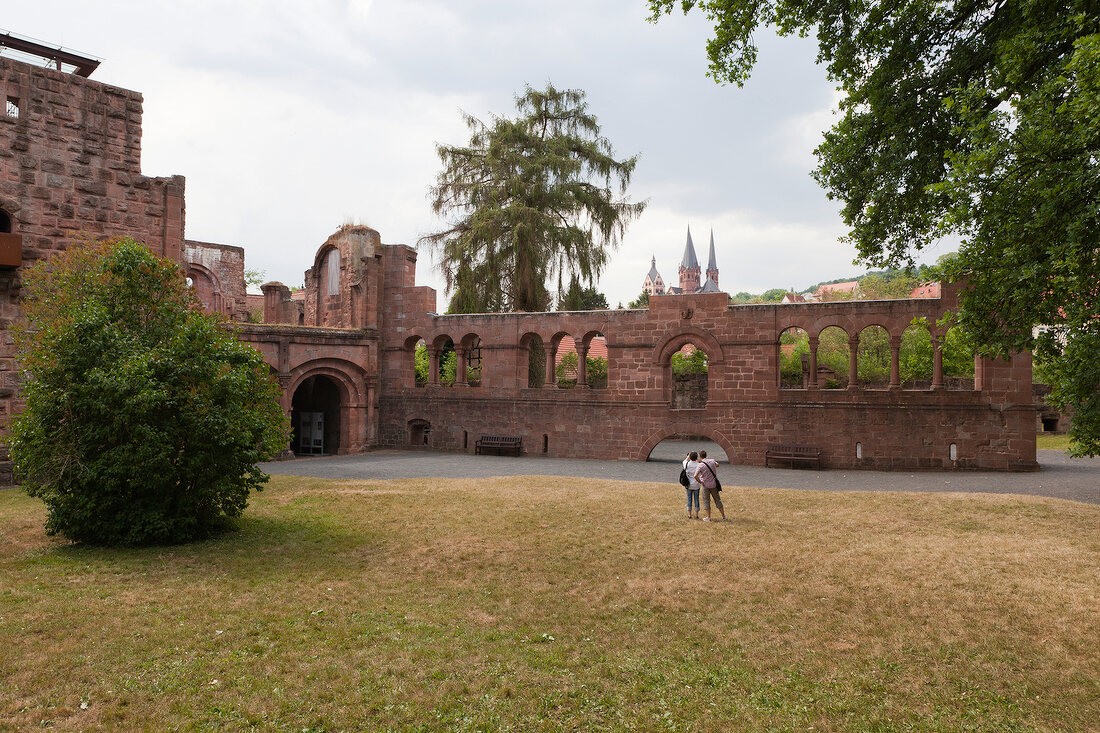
x: 315, y: 417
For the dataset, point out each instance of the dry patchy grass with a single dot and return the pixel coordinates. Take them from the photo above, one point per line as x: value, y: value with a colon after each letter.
x: 544, y: 603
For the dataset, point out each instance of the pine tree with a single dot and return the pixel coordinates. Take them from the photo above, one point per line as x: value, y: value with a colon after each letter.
x: 532, y: 199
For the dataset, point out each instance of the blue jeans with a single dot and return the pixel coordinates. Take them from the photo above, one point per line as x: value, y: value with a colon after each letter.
x: 693, y: 495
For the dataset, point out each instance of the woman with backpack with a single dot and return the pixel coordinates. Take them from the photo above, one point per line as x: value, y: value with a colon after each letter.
x: 706, y: 474
x: 690, y: 483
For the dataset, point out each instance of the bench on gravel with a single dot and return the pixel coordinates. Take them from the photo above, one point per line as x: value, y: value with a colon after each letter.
x: 499, y: 444
x: 793, y: 455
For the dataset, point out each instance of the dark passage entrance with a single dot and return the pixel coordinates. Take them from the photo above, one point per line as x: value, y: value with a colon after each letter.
x: 315, y: 417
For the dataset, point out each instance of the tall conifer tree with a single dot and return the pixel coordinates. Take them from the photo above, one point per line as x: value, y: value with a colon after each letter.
x: 530, y: 199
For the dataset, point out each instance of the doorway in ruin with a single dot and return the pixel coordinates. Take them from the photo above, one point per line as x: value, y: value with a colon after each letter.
x: 315, y: 417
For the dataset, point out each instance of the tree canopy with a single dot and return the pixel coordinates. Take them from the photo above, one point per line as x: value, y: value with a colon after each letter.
x: 577, y: 298
x: 145, y: 417
x: 532, y: 199
x: 973, y: 118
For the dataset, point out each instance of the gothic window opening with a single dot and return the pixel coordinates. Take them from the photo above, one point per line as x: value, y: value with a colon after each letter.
x: 13, y: 107
x: 332, y: 265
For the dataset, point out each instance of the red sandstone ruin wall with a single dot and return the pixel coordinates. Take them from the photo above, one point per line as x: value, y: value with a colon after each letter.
x: 70, y: 163
x: 897, y: 429
x: 217, y: 275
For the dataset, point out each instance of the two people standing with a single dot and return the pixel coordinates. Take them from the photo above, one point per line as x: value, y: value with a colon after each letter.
x: 702, y: 481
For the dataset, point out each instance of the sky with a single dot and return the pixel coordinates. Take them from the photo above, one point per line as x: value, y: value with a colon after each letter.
x: 290, y: 118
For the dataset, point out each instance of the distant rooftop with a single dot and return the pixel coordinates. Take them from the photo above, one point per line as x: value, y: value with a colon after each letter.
x: 33, y: 51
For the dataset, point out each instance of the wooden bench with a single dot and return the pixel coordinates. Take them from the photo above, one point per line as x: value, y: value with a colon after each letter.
x: 499, y: 444
x: 794, y: 455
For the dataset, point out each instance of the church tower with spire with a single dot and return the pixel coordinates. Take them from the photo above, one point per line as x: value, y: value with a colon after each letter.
x: 712, y: 263
x: 653, y: 284
x: 689, y: 268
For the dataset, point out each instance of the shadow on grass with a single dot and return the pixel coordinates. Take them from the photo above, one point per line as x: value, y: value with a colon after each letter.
x: 245, y: 545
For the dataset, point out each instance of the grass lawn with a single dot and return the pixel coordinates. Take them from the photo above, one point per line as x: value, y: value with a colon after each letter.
x: 1052, y: 441
x: 548, y: 603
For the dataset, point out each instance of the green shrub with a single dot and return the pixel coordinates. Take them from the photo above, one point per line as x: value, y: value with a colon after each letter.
x: 145, y: 418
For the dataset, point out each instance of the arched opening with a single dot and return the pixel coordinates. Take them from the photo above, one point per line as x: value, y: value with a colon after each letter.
x: 419, y: 432
x: 5, y: 222
x: 915, y: 357
x: 794, y: 359
x: 471, y: 349
x: 421, y: 361
x: 595, y: 361
x: 328, y: 288
x: 536, y: 359
x: 833, y: 355
x: 315, y: 417
x: 448, y: 361
x: 566, y: 362
x: 958, y: 360
x: 675, y: 448
x: 873, y: 358
x: 689, y: 375
x: 206, y: 287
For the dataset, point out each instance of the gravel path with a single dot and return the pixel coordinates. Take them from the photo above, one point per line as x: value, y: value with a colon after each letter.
x: 1061, y: 477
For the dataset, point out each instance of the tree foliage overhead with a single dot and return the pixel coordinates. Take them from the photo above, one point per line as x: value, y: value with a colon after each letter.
x: 976, y: 118
x: 532, y: 199
x: 145, y: 418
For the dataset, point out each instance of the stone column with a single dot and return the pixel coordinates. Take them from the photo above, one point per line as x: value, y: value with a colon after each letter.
x: 433, y: 366
x: 551, y: 377
x: 937, y: 363
x: 853, y: 362
x: 582, y: 366
x: 286, y: 402
x: 813, y: 361
x: 895, y: 362
x: 460, y: 367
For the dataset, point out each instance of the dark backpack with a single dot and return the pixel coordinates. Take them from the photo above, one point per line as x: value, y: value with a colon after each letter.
x: 684, y: 480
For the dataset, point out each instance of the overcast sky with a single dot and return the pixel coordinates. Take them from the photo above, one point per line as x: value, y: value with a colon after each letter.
x: 289, y: 118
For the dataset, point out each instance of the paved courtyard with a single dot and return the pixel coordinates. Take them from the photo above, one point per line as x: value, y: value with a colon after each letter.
x: 1061, y: 477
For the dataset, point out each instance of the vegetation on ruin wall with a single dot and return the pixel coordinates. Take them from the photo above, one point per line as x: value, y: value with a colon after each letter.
x: 145, y: 417
x: 548, y: 604
x: 532, y: 199
x: 448, y: 367
x: 595, y: 370
x: 969, y: 119
x: 873, y: 356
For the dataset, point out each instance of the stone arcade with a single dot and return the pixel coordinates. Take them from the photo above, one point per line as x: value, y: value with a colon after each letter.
x: 344, y: 355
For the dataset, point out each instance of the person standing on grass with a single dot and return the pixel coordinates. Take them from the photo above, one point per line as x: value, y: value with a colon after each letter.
x: 707, y: 476
x: 691, y: 466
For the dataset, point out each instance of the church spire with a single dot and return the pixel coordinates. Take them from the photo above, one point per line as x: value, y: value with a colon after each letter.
x: 689, y: 268
x: 712, y: 264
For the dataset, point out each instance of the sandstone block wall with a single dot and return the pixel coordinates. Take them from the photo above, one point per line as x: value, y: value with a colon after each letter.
x: 70, y: 165
x: 216, y: 272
